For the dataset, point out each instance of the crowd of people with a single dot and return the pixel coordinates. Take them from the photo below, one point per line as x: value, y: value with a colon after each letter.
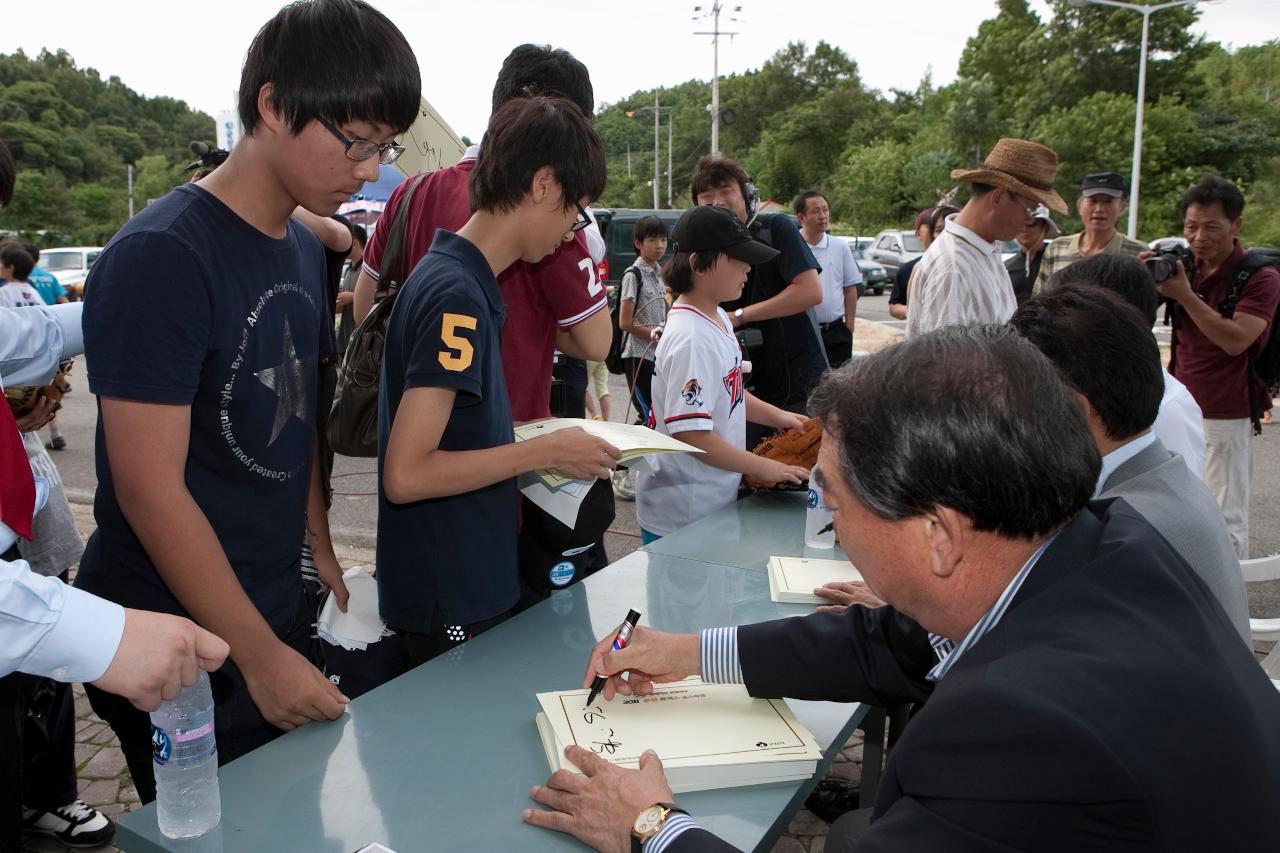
x: 1048, y: 521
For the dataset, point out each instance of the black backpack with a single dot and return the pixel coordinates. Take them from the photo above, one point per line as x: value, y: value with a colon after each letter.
x: 1266, y: 364
x: 613, y: 361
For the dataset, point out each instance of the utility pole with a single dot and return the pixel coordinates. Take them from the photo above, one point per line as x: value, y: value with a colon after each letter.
x: 131, y: 191
x: 657, y: 162
x: 671, y: 121
x: 715, y: 33
x: 628, y: 159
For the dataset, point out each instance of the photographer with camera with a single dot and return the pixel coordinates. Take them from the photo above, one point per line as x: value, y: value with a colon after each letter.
x: 1215, y: 344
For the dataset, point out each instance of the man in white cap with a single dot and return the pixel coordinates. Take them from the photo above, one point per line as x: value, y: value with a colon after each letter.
x: 962, y: 278
x: 1025, y: 266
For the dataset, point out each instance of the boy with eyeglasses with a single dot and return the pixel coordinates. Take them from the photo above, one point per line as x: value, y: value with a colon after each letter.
x: 447, y: 455
x: 204, y: 326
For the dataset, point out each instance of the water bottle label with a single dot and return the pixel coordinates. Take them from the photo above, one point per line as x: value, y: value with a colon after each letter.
x: 194, y: 734
x: 161, y: 746
x: 813, y: 498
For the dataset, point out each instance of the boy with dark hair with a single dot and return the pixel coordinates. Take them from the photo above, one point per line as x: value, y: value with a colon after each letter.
x: 642, y: 307
x: 447, y: 455
x: 698, y: 391
x: 778, y: 295
x: 205, y: 322
x: 556, y: 304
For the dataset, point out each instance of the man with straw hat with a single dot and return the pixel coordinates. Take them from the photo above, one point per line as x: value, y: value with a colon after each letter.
x: 962, y: 278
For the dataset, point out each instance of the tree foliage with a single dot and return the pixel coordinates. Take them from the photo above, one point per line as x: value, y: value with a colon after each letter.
x: 74, y: 135
x: 805, y: 120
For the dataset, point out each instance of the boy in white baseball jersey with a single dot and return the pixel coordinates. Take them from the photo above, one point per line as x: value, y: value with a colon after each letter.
x: 698, y: 392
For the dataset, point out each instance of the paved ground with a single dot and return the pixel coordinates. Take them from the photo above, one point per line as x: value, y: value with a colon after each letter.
x: 104, y: 780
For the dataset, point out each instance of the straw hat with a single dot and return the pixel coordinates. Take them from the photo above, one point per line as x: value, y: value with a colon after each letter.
x: 1019, y: 166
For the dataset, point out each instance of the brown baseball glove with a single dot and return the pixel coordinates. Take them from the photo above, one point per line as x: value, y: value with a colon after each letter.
x: 793, y: 446
x: 23, y: 398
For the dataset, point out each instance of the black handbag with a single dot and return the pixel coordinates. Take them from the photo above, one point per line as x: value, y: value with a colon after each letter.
x: 353, y: 419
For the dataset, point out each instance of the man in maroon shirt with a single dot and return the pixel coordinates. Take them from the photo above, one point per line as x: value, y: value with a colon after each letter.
x: 559, y: 303
x: 1213, y: 353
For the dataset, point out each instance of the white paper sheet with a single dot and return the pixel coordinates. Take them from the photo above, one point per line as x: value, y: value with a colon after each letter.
x: 360, y: 625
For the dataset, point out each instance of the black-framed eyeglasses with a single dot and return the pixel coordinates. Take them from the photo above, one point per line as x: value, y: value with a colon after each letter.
x: 582, y: 221
x: 362, y: 149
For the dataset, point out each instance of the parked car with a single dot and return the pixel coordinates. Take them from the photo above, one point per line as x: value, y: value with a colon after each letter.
x: 70, y: 266
x: 891, y: 249
x: 874, y: 277
x: 615, y: 226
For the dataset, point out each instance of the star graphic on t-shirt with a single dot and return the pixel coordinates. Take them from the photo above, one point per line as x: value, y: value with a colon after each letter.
x: 288, y: 379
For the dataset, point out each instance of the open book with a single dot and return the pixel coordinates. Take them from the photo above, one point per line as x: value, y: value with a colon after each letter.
x: 632, y: 439
x: 707, y: 735
x: 792, y: 579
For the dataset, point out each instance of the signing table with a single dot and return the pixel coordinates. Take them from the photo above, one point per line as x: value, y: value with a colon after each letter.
x: 442, y: 758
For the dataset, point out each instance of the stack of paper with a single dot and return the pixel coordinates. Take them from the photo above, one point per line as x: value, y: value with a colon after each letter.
x: 792, y: 579
x: 633, y: 440
x: 707, y: 735
x: 361, y: 625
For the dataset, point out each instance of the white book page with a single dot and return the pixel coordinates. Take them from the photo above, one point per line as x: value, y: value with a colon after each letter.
x: 688, y: 723
x: 799, y: 575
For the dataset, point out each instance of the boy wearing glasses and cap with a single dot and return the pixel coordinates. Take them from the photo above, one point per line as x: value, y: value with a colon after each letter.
x: 698, y: 391
x: 1104, y: 196
x: 204, y: 326
x: 448, y: 459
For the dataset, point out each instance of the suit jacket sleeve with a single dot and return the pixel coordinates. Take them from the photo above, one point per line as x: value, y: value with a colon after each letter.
x: 876, y: 655
x: 699, y: 841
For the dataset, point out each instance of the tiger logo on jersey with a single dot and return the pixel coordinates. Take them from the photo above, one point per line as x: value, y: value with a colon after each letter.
x: 692, y: 393
x: 734, y: 385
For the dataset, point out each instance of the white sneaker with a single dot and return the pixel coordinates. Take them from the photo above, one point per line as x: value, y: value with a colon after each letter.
x: 75, y: 824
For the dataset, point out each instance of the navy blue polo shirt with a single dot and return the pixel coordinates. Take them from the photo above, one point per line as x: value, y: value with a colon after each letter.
x: 190, y: 305
x: 455, y: 553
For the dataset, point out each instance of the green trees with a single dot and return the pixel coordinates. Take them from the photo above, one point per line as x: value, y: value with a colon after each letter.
x: 73, y: 136
x: 805, y: 119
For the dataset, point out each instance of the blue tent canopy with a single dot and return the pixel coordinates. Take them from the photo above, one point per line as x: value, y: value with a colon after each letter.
x: 389, y: 178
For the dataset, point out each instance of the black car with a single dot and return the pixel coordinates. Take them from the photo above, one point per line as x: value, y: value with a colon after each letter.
x: 615, y: 226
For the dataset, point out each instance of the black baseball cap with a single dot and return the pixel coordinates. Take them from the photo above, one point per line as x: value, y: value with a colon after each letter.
x: 1104, y: 183
x: 707, y: 228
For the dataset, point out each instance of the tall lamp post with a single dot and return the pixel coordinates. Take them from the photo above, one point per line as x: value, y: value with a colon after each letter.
x: 1146, y: 12
x: 715, y: 32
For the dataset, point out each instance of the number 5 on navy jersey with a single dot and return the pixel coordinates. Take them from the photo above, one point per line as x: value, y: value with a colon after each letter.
x: 461, y: 351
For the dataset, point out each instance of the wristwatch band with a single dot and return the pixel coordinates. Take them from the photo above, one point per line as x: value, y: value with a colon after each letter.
x: 637, y: 842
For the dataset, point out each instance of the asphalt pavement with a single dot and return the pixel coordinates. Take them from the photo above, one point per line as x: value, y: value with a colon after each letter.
x: 354, y: 513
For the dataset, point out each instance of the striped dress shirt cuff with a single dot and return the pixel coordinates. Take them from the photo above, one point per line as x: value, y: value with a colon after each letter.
x: 718, y: 655
x: 675, y: 825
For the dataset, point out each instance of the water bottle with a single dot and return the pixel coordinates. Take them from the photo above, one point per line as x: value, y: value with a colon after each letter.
x: 184, y: 756
x: 817, y: 518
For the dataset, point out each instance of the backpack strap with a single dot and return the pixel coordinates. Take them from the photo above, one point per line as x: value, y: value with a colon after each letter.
x: 1253, y: 261
x: 393, y: 271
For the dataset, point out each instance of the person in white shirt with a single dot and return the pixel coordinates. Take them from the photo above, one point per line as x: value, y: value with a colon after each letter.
x: 840, y: 276
x: 1179, y: 424
x: 699, y: 394
x: 15, y: 265
x: 962, y: 278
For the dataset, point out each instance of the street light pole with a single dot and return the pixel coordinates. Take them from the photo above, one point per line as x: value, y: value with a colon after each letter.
x: 657, y: 173
x: 671, y: 121
x: 1135, y: 178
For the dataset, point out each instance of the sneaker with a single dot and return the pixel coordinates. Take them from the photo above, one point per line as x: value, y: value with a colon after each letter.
x: 624, y: 484
x: 57, y: 443
x: 75, y: 825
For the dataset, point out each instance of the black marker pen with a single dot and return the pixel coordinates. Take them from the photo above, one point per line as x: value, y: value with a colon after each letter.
x: 619, y: 643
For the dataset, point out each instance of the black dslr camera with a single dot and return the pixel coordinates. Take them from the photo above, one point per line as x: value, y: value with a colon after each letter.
x: 1164, y: 263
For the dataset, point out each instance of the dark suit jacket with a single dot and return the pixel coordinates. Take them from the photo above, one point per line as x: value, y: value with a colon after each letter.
x: 1113, y: 707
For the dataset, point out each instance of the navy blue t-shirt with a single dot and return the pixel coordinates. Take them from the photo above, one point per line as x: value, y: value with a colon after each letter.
x: 457, y: 553
x: 792, y: 359
x: 190, y: 305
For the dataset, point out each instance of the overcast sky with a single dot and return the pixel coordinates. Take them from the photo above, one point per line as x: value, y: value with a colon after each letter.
x: 193, y: 51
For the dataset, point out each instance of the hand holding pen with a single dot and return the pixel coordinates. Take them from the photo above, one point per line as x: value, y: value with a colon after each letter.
x: 649, y: 657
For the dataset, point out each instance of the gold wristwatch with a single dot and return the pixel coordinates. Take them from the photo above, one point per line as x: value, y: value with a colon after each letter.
x: 650, y: 822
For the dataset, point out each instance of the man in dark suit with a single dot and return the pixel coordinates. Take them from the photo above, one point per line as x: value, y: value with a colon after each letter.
x: 1087, y: 691
x: 1105, y: 352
